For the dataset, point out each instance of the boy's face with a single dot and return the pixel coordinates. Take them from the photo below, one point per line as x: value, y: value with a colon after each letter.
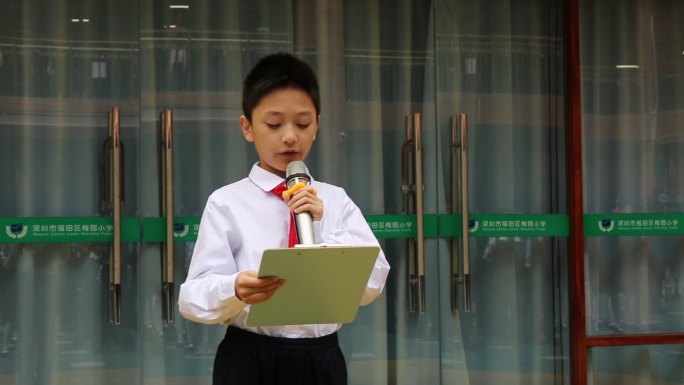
x: 283, y: 128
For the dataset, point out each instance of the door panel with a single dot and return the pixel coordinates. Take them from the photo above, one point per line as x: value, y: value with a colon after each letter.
x: 370, y: 81
x: 398, y: 66
x: 60, y: 78
x: 502, y: 70
x: 193, y: 61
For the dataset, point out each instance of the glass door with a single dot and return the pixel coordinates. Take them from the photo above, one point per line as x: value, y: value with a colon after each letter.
x: 83, y: 87
x: 193, y: 57
x: 632, y: 66
x: 69, y: 89
x: 408, y: 70
x: 499, y: 102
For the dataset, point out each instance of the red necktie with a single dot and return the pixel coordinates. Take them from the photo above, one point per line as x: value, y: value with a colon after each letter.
x: 292, y: 240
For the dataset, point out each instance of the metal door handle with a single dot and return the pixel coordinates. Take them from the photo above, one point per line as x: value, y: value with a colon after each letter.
x: 420, y: 233
x: 166, y: 135
x: 114, y: 177
x: 465, y: 223
x: 409, y: 203
x: 412, y: 187
x: 455, y: 156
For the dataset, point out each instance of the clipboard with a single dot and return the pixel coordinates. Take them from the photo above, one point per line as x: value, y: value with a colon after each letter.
x: 324, y: 284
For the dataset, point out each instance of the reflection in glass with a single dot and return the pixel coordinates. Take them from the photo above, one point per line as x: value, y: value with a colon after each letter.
x: 506, y: 72
x: 193, y: 61
x: 631, y: 65
x: 504, y: 69
x: 58, y: 79
x: 636, y: 365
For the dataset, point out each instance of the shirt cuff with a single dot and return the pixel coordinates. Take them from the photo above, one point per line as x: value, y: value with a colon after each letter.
x: 318, y: 237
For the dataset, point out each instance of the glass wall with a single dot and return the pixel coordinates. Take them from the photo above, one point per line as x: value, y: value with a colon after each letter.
x: 634, y: 365
x: 632, y: 67
x: 65, y: 64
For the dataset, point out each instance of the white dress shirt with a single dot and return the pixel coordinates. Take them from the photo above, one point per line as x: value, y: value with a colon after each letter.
x: 242, y: 219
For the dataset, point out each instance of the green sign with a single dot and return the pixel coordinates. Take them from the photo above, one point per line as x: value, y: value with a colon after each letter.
x: 506, y: 225
x: 185, y: 229
x: 643, y: 224
x: 383, y: 226
x: 66, y: 229
x: 100, y: 229
x: 401, y: 225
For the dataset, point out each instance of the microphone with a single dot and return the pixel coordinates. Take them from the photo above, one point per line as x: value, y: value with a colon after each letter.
x: 298, y: 173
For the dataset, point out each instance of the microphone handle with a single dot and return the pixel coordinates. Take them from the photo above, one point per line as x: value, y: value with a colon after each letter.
x: 304, y: 225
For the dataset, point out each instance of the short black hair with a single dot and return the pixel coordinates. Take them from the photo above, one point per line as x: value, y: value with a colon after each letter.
x: 275, y: 72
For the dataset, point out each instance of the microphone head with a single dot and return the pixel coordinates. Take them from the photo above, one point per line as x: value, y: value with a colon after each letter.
x: 296, y: 171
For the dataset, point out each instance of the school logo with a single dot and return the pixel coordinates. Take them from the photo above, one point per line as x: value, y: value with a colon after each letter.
x: 180, y: 230
x: 606, y: 225
x: 473, y: 226
x: 16, y: 230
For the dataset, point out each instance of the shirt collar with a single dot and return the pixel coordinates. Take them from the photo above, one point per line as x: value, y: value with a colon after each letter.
x: 265, y: 180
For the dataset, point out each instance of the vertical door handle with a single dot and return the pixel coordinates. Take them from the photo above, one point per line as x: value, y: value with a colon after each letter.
x: 455, y: 172
x: 420, y: 234
x: 114, y: 178
x: 408, y: 190
x: 412, y: 187
x: 465, y: 222
x: 166, y: 135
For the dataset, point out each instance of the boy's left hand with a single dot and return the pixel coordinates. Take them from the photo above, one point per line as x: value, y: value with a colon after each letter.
x: 306, y: 199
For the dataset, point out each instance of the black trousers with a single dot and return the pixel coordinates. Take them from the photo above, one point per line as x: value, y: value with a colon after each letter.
x: 246, y: 358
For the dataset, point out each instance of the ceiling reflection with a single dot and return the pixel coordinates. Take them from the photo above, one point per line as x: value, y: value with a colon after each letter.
x: 122, y: 20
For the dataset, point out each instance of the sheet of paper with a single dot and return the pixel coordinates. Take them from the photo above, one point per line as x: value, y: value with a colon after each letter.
x: 324, y: 285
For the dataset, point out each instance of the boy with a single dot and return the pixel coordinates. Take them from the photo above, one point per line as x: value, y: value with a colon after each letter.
x: 281, y: 110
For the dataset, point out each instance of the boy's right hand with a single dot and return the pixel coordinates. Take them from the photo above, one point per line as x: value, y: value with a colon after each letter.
x: 251, y: 289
